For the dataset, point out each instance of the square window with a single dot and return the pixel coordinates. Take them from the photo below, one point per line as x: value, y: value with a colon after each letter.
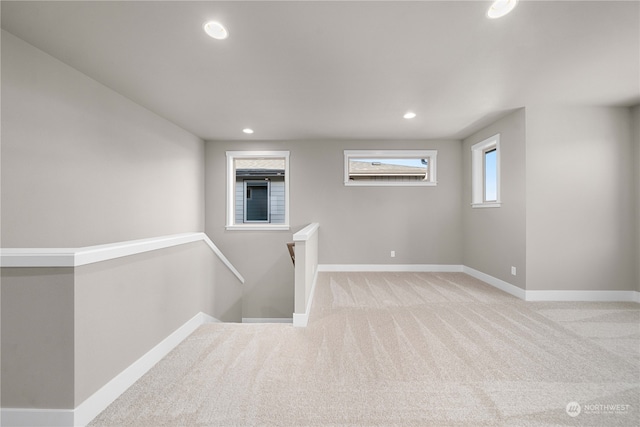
x: 257, y: 190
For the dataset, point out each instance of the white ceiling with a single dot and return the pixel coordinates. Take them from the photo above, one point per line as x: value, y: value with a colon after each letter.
x: 342, y: 70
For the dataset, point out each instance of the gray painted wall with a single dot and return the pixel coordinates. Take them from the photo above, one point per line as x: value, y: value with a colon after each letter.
x: 580, y: 199
x: 635, y: 113
x: 82, y: 165
x: 67, y: 332
x: 494, y: 238
x: 145, y: 297
x: 37, y: 338
x: 359, y: 225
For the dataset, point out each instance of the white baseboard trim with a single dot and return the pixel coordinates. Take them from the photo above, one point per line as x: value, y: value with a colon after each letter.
x: 96, y: 403
x: 300, y: 320
x: 267, y: 320
x: 420, y: 268
x: 595, y: 296
x: 558, y: 296
x: 496, y: 283
x: 603, y: 296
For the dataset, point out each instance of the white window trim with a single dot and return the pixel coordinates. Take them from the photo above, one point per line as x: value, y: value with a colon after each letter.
x: 231, y: 180
x: 431, y: 154
x: 477, y: 173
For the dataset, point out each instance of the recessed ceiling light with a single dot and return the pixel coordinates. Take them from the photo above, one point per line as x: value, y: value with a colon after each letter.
x: 216, y: 30
x: 499, y: 8
x: 409, y: 115
x: 247, y: 130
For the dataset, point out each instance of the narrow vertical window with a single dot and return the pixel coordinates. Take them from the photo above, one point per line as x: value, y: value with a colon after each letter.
x: 491, y: 175
x: 485, y: 173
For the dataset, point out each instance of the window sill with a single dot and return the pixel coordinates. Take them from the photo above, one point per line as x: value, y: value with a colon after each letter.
x: 261, y: 227
x: 486, y: 205
x: 391, y: 184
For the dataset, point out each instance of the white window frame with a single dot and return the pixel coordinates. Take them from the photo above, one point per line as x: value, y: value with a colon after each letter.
x: 231, y: 182
x: 386, y: 154
x: 478, y: 173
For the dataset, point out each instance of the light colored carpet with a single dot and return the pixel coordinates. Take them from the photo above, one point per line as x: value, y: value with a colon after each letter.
x: 401, y: 349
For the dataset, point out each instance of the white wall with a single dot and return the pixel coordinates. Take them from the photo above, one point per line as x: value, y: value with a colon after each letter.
x: 83, y: 165
x: 580, y: 199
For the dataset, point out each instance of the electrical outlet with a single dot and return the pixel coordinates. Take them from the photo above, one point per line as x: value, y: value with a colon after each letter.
x: 513, y: 271
x: 393, y: 254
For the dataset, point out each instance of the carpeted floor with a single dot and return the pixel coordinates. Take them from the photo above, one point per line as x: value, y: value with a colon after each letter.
x: 402, y: 349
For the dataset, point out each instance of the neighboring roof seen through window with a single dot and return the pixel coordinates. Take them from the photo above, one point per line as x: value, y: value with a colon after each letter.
x: 259, y: 167
x: 388, y: 167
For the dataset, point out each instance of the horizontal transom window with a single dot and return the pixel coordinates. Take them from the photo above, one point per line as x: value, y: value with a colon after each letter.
x: 390, y: 167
